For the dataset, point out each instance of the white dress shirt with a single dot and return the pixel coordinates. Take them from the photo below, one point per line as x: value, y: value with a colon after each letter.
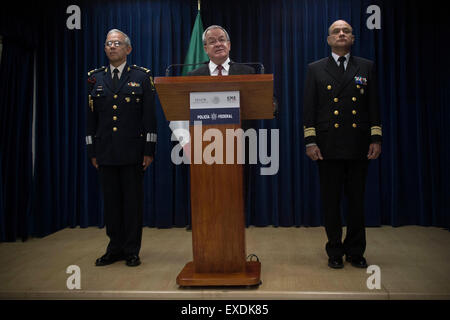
x: 111, y: 67
x: 336, y: 57
x: 214, y: 71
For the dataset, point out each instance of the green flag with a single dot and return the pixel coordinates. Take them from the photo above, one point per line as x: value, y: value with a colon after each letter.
x: 195, y: 53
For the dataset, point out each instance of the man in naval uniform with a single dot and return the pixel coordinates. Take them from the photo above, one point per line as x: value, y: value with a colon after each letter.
x: 121, y: 139
x: 342, y: 132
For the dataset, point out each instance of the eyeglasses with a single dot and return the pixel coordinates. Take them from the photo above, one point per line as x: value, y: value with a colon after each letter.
x: 113, y: 43
x: 213, y: 41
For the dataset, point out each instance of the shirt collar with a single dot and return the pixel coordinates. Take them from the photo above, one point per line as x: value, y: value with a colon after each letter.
x: 336, y: 57
x: 111, y: 67
x: 213, y: 66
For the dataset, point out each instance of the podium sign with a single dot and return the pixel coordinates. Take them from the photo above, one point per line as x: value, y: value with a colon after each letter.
x: 215, y: 107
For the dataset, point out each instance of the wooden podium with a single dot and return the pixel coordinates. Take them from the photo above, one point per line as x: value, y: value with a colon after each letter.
x: 217, y: 192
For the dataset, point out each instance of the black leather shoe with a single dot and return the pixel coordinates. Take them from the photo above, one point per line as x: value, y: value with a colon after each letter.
x: 108, y: 258
x: 133, y: 261
x: 335, y: 262
x: 357, y: 261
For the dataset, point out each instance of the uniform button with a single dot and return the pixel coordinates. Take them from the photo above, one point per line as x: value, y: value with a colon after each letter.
x: 114, y: 107
x: 329, y: 87
x: 336, y: 112
x: 115, y: 118
x: 132, y: 92
x: 354, y: 98
x: 354, y: 125
x: 354, y: 111
x: 115, y: 96
x: 336, y: 125
x: 336, y: 100
x: 114, y: 129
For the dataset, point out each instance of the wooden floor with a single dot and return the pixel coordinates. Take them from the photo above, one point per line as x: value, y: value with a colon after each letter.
x: 414, y: 264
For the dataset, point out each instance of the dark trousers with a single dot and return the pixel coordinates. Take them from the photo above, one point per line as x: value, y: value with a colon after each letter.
x: 123, y: 197
x: 348, y: 176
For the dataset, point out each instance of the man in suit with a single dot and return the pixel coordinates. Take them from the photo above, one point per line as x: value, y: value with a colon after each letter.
x: 342, y: 132
x: 217, y: 45
x: 121, y: 139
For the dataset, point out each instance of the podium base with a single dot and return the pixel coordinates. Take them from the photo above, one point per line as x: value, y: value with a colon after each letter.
x: 250, y: 277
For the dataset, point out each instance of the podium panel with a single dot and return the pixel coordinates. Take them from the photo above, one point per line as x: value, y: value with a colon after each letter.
x: 217, y: 190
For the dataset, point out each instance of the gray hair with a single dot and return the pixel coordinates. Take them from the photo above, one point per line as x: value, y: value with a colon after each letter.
x: 214, y: 27
x: 127, y: 39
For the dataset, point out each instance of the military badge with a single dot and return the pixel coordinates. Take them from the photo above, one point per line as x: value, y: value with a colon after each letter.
x: 92, y: 80
x: 361, y: 80
x: 134, y: 84
x: 99, y: 89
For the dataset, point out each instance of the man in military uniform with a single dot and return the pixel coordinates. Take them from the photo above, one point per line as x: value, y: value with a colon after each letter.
x: 121, y: 139
x: 342, y: 131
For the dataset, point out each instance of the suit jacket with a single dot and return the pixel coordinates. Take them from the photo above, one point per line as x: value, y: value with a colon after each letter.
x: 341, y: 113
x: 235, y: 69
x: 121, y: 122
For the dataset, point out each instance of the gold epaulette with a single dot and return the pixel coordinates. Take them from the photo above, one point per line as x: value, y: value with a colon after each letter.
x: 147, y: 71
x: 141, y: 68
x: 96, y: 70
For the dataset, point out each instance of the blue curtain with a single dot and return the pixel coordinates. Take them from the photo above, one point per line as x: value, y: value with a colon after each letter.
x: 16, y: 107
x: 409, y: 184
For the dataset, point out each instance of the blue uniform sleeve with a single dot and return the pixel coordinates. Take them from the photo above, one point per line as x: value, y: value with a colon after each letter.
x: 149, y: 115
x: 91, y: 120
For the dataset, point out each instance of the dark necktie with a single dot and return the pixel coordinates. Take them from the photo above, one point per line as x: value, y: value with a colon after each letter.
x: 115, y: 79
x: 341, y: 65
x: 220, y: 67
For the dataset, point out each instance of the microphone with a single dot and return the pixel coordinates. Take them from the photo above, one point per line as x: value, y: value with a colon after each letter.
x: 261, y: 66
x: 183, y: 65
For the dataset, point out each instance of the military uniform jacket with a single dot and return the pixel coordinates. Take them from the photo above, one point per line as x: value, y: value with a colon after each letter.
x: 121, y: 123
x: 341, y: 112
